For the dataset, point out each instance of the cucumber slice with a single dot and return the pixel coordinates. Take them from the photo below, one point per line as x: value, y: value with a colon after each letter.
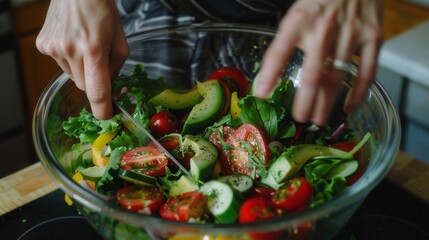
x: 136, y: 177
x: 205, y: 158
x: 93, y: 173
x: 182, y: 185
x: 240, y: 182
x: 269, y: 181
x: 344, y: 169
x: 222, y: 200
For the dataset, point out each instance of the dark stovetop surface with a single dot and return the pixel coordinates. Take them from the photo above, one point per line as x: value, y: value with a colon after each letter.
x: 388, y: 213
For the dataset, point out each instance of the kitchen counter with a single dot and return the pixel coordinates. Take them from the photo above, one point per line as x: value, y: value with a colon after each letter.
x: 33, y: 182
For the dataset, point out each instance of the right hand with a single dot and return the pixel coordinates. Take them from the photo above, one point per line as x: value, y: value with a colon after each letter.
x: 87, y: 41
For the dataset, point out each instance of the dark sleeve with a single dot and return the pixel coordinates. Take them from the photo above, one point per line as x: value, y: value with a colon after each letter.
x: 246, y: 11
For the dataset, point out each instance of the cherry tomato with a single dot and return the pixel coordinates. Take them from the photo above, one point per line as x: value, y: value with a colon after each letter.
x: 347, y: 146
x: 257, y: 209
x: 234, y: 78
x: 163, y: 123
x: 141, y: 198
x: 170, y: 143
x: 237, y: 160
x: 147, y: 159
x: 226, y: 133
x: 294, y: 195
x: 262, y: 192
x: 301, y: 231
x: 184, y: 207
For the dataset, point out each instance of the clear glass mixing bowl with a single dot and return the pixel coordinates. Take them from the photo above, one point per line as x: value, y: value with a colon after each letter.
x: 201, y: 49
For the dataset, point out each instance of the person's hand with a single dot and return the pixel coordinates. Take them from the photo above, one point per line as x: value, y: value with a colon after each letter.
x: 87, y: 41
x: 324, y: 29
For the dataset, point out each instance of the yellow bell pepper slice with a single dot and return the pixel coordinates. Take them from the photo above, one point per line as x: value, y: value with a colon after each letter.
x: 235, y: 108
x: 97, y: 148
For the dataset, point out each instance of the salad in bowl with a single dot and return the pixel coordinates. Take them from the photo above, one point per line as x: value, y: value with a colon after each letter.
x: 221, y: 163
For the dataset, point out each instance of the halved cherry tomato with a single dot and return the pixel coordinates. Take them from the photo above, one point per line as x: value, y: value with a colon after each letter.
x: 184, y: 207
x: 262, y: 192
x: 141, y: 198
x: 163, y: 123
x: 226, y: 133
x: 347, y: 146
x: 147, y: 159
x: 294, y: 195
x: 257, y: 209
x: 237, y: 159
x: 233, y: 77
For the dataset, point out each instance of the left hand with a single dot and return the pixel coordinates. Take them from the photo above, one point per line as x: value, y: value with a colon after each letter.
x: 324, y: 29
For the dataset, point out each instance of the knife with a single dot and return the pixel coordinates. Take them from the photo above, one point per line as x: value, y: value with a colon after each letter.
x: 143, y: 135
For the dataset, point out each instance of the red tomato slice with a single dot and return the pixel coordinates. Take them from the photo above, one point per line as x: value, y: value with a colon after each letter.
x: 226, y: 133
x: 163, y: 123
x: 141, y: 198
x: 347, y: 146
x: 294, y: 195
x: 171, y: 143
x: 257, y: 209
x: 184, y: 207
x: 147, y: 159
x: 237, y: 160
x: 262, y: 192
x: 234, y: 78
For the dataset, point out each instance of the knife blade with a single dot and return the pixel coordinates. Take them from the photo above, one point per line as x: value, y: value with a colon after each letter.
x: 143, y: 135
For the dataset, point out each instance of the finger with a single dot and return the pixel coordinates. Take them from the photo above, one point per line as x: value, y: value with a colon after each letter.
x: 78, y: 72
x: 64, y: 65
x: 366, y: 75
x: 346, y: 36
x: 276, y: 56
x: 326, y: 96
x: 98, y: 85
x: 307, y: 91
x: 318, y: 47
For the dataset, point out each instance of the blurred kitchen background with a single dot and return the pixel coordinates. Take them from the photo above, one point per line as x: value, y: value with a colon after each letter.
x: 24, y: 73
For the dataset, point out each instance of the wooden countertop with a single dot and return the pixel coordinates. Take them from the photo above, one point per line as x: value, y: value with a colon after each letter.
x: 33, y: 182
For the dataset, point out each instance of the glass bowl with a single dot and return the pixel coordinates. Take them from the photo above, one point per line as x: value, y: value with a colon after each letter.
x: 194, y: 51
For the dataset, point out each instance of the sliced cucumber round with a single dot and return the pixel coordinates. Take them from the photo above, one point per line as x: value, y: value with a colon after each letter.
x: 343, y: 169
x: 222, y: 200
x: 240, y: 182
x: 136, y: 177
x: 182, y: 185
x: 93, y: 173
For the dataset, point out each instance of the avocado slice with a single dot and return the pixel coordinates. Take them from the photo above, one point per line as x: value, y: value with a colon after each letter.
x: 175, y: 100
x: 291, y: 161
x: 204, y: 160
x: 207, y: 111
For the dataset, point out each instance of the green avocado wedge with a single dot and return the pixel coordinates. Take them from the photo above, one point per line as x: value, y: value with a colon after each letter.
x: 207, y: 111
x: 175, y: 100
x: 290, y: 162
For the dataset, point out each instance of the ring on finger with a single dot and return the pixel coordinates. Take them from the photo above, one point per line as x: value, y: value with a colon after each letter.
x: 342, y: 65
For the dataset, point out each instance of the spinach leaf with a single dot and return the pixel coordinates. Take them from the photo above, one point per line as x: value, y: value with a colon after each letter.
x: 261, y: 113
x: 108, y: 184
